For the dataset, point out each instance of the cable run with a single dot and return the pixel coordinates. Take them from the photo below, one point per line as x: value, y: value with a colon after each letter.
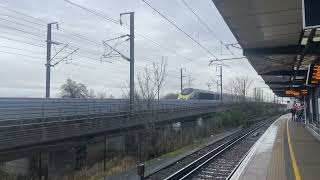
x: 24, y: 42
x: 180, y: 29
x: 16, y: 29
x: 21, y: 24
x: 93, y: 12
x: 21, y: 19
x: 22, y: 14
x: 25, y: 55
x: 9, y: 47
x: 141, y: 34
x: 206, y: 25
x: 9, y: 33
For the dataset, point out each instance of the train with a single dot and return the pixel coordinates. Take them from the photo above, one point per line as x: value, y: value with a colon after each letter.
x: 199, y: 94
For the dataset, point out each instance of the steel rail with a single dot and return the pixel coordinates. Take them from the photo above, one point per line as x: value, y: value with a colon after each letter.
x: 192, y: 168
x: 254, y: 117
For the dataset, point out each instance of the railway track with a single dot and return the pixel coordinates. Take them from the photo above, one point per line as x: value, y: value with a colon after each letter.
x: 216, y: 161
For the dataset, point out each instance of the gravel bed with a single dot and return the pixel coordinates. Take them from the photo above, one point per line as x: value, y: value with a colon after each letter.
x: 167, y: 171
x: 222, y: 166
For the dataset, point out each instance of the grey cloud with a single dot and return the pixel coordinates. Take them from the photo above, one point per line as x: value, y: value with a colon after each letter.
x: 30, y: 76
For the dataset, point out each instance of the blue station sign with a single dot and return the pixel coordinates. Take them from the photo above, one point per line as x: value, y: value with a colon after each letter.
x: 311, y: 13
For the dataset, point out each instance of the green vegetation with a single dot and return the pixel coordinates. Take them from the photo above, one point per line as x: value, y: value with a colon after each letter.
x: 232, y: 118
x: 6, y: 174
x: 114, y: 165
x: 240, y: 115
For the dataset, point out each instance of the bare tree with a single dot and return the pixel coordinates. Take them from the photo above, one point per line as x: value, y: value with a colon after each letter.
x: 212, y: 83
x: 91, y: 94
x: 126, y: 91
x: 101, y: 95
x: 151, y: 81
x: 149, y: 84
x: 146, y: 87
x: 159, y: 74
x: 239, y: 86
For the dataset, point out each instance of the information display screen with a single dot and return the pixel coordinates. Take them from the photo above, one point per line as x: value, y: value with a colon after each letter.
x: 311, y: 13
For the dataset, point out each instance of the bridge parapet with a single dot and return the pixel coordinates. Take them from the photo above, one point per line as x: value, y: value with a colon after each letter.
x: 27, y: 122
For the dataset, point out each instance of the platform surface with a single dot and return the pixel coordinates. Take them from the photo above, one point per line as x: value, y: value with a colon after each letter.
x: 286, y: 151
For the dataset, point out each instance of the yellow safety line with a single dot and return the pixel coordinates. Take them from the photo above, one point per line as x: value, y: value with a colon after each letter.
x: 293, y: 158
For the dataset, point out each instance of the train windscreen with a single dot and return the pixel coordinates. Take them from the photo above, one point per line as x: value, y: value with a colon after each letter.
x: 186, y: 91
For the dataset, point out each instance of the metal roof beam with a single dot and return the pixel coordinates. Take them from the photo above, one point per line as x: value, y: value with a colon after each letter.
x: 284, y: 95
x: 279, y: 88
x: 314, y: 48
x: 285, y: 88
x: 305, y: 50
x: 284, y: 73
x: 300, y: 82
x: 293, y: 49
x: 276, y: 91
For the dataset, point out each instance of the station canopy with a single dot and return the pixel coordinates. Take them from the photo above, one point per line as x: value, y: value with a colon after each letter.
x: 271, y: 34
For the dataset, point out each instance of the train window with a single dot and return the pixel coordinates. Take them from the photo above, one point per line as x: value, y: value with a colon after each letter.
x: 205, y: 96
x: 201, y: 96
x: 193, y: 95
x: 211, y: 97
x: 186, y: 91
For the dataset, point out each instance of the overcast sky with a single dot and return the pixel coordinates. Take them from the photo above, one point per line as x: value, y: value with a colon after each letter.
x: 23, y: 50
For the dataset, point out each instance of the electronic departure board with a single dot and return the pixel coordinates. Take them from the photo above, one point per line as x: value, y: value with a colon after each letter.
x: 315, y: 78
x: 311, y: 13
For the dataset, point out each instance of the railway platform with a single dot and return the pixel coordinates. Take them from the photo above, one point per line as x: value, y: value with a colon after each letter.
x: 287, y: 150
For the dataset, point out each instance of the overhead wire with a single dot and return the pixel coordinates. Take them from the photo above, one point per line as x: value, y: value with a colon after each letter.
x: 179, y: 28
x: 19, y: 54
x: 140, y: 67
x: 206, y: 25
x: 20, y: 41
x: 21, y: 24
x: 9, y: 47
x: 149, y: 60
x: 19, y: 36
x: 40, y: 58
x: 88, y: 52
x: 21, y: 19
x: 16, y: 29
x: 23, y: 31
x: 70, y: 35
x: 32, y: 39
x: 77, y: 35
x: 93, y: 66
x: 93, y: 12
x: 88, y: 64
x: 74, y: 34
x: 22, y: 14
x: 97, y: 60
x: 100, y: 54
x: 143, y: 35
